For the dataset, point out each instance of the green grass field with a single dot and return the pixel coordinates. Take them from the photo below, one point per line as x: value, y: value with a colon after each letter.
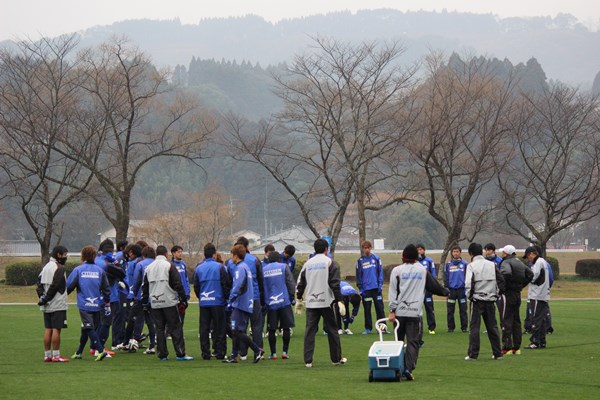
x: 567, y: 369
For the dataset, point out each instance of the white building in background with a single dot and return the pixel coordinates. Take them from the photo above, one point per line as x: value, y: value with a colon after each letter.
x: 133, y: 234
x: 20, y: 248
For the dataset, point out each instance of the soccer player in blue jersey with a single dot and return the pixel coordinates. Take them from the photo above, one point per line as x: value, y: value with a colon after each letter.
x: 349, y: 296
x: 454, y: 280
x: 369, y: 279
x: 241, y: 303
x: 288, y: 257
x: 279, y: 296
x: 429, y: 265
x: 93, y: 299
x: 212, y: 287
x: 257, y: 320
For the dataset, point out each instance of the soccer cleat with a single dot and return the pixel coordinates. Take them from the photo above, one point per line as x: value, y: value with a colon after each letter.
x: 532, y: 346
x: 185, y: 358
x: 101, y: 356
x: 231, y: 360
x: 468, y: 358
x: 366, y: 332
x: 500, y: 357
x: 243, y: 358
x: 507, y: 352
x: 163, y: 359
x: 150, y: 350
x: 348, y: 332
x: 516, y: 352
x: 110, y: 353
x: 47, y: 359
x: 284, y: 356
x: 273, y: 356
x: 340, y: 331
x: 59, y: 359
x: 342, y: 361
x: 408, y: 375
x: 76, y: 356
x: 308, y: 365
x: 259, y: 356
x: 432, y: 332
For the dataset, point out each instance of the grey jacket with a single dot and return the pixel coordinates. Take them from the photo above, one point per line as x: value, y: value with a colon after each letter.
x: 407, y: 289
x: 541, y: 291
x: 162, y: 284
x: 319, y: 282
x: 483, y: 281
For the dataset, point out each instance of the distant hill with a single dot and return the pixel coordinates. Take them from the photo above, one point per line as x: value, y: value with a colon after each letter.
x: 566, y: 49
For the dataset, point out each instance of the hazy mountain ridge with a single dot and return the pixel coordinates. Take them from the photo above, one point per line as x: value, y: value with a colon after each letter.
x: 564, y: 47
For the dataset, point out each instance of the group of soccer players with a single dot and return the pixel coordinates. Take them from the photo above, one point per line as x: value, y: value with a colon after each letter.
x: 112, y: 292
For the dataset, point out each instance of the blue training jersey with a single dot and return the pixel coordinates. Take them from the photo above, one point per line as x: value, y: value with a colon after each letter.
x: 89, y: 280
x: 185, y: 282
x: 207, y: 281
x: 455, y: 273
x: 369, y: 273
x: 290, y: 262
x: 347, y: 289
x: 242, y: 292
x: 277, y: 293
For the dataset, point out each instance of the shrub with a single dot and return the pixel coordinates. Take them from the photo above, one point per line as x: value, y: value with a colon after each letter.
x: 589, y: 268
x: 22, y: 273
x: 297, y: 269
x: 26, y: 273
x: 387, y: 271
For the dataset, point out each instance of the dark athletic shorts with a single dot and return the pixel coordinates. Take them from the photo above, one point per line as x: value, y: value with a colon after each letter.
x: 280, y: 319
x: 55, y: 320
x: 89, y: 319
x: 239, y: 320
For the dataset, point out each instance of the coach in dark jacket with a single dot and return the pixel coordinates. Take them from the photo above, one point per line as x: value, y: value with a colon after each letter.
x: 515, y: 276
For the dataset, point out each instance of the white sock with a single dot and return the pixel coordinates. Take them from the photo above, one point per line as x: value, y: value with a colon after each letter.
x: 55, y: 353
x: 47, y: 353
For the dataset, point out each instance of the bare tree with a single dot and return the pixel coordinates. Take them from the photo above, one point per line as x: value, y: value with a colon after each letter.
x: 552, y: 178
x: 206, y: 217
x: 41, y: 107
x: 143, y: 118
x: 463, y: 124
x: 334, y: 141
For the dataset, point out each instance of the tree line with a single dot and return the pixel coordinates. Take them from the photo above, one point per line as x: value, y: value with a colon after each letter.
x: 477, y: 143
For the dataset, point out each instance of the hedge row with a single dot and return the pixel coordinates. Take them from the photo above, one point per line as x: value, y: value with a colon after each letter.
x: 26, y: 273
x: 588, y: 268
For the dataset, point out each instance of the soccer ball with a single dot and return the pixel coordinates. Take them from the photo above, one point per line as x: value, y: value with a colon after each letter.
x: 133, y: 346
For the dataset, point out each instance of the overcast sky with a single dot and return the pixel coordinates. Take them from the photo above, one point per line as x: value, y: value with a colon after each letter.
x: 35, y: 18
